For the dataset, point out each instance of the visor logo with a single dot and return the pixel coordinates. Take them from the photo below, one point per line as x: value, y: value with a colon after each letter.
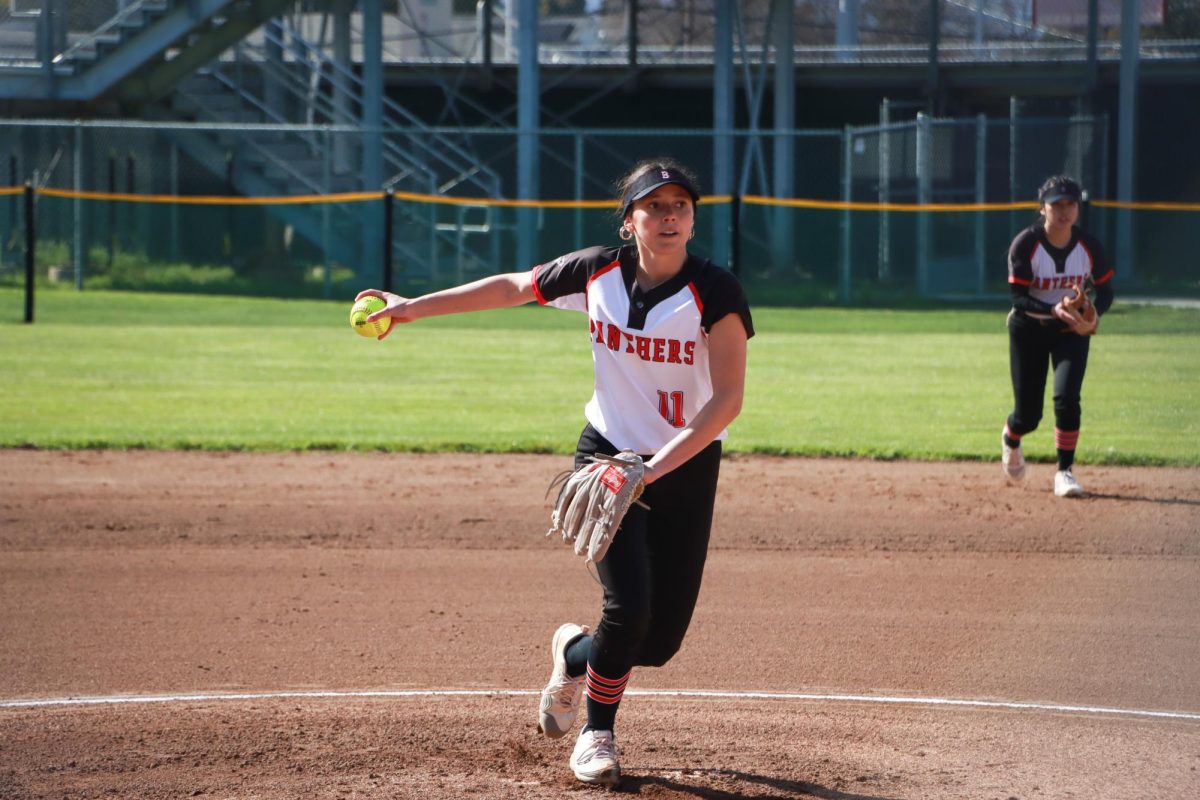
x: 666, y: 175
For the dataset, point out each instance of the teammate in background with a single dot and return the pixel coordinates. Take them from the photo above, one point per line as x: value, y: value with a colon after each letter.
x: 1048, y: 263
x: 668, y: 333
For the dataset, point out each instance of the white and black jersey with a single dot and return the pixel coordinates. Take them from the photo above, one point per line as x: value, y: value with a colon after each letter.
x: 650, y: 350
x: 1048, y: 273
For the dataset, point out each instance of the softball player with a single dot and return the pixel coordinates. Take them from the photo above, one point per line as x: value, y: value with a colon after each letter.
x: 668, y: 333
x: 1047, y: 263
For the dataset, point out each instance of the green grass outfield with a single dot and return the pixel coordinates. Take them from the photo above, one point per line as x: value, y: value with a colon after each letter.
x: 108, y: 369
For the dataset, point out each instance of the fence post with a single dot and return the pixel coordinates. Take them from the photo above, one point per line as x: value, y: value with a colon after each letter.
x: 327, y: 187
x: 844, y: 249
x: 30, y: 247
x: 112, y: 205
x: 924, y: 186
x: 885, y: 191
x: 1014, y: 188
x: 735, y: 234
x: 389, y: 201
x: 578, y: 190
x: 77, y: 207
x: 174, y: 204
x: 980, y: 197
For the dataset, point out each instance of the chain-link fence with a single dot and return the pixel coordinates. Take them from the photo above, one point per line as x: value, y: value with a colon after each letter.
x: 924, y: 207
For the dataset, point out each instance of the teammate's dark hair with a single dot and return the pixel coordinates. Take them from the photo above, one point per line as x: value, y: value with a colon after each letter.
x: 1064, y: 185
x: 641, y: 168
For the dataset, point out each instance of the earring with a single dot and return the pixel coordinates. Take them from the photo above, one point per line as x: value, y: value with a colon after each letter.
x: 624, y: 234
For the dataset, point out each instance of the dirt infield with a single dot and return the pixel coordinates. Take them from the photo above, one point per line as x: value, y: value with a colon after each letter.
x: 351, y: 625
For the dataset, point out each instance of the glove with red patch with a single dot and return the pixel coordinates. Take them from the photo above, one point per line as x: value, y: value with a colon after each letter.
x: 594, y: 499
x: 1078, y: 313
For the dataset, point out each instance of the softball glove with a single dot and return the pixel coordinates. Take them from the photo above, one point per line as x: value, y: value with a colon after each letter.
x: 594, y: 499
x: 1078, y: 313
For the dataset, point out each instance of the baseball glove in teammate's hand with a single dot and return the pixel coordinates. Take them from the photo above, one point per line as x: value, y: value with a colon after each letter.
x: 1078, y: 313
x: 594, y: 499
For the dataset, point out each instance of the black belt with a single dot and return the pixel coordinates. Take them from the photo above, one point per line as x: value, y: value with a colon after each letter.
x: 1046, y: 323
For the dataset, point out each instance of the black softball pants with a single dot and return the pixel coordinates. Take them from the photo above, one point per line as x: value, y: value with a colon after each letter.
x: 1032, y: 348
x: 651, y: 576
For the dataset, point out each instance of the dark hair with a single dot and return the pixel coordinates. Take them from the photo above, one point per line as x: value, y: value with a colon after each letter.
x: 626, y: 183
x: 1060, y: 187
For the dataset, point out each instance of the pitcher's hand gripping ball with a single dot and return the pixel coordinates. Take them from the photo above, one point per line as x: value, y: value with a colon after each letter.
x: 594, y: 499
x: 358, y: 318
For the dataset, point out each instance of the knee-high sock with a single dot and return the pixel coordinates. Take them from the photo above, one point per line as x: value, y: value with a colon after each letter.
x: 1065, y: 442
x: 1011, y: 439
x: 603, y: 699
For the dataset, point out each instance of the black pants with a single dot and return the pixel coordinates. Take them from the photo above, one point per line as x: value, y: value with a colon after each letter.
x: 652, y: 571
x: 1032, y: 348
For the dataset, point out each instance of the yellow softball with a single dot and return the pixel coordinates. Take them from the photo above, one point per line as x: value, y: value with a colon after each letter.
x: 358, y: 317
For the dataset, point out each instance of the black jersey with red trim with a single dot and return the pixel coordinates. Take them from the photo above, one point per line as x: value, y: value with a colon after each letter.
x: 649, y: 349
x: 1050, y: 273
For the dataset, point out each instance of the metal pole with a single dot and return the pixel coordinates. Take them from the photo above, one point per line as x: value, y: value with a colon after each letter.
x: 783, y: 233
x: 372, y: 121
x: 1127, y: 133
x: 847, y: 30
x: 722, y: 123
x: 112, y: 205
x: 844, y: 249
x: 735, y: 235
x: 885, y: 190
x: 1014, y: 189
x: 933, y: 76
x: 924, y: 142
x: 327, y: 156
x: 1102, y: 186
x: 631, y: 34
x: 129, y: 240
x: 578, y: 190
x: 389, y: 203
x: 343, y: 113
x: 46, y: 41
x: 30, y: 247
x: 77, y: 207
x: 432, y: 210
x: 1090, y: 72
x: 485, y: 33
x: 980, y: 197
x: 528, y: 107
x: 175, y: 205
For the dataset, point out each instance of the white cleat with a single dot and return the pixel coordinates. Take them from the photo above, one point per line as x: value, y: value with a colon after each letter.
x: 560, y: 698
x: 1065, y: 484
x: 595, y: 758
x: 1013, y: 460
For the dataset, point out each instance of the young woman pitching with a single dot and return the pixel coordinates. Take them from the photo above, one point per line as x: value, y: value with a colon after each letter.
x: 668, y: 334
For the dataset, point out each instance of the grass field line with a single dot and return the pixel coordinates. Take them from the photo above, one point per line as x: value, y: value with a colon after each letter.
x: 1057, y: 708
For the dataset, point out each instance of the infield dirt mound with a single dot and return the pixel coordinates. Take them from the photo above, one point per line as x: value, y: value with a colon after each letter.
x: 140, y: 573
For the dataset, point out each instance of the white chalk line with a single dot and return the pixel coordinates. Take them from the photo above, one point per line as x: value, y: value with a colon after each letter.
x: 667, y: 693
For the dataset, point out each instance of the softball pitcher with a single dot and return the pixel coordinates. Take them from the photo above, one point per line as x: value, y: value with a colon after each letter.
x: 1053, y: 265
x: 668, y: 333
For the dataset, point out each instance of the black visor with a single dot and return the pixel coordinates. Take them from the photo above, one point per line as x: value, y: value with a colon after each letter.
x: 652, y: 179
x: 1065, y: 189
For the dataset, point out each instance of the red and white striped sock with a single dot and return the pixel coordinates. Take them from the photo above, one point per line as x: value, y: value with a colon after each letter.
x: 603, y: 697
x: 1012, y: 437
x: 1065, y: 442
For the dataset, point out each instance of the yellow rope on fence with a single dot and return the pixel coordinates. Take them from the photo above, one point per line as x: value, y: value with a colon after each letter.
x: 347, y: 197
x: 754, y: 200
x: 843, y: 205
x: 1147, y: 206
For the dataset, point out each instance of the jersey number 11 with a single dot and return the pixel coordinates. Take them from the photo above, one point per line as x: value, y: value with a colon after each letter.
x: 671, y: 407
